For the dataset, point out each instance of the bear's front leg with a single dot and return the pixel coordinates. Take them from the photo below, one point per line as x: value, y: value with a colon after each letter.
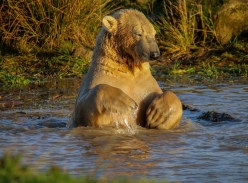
x: 164, y: 112
x: 93, y: 107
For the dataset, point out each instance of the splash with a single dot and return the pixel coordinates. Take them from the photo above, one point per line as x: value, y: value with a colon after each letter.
x: 125, y: 123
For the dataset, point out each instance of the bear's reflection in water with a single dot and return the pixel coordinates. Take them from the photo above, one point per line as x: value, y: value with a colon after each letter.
x: 128, y: 153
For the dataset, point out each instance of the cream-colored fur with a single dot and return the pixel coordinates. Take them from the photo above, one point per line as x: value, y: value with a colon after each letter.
x: 119, y: 82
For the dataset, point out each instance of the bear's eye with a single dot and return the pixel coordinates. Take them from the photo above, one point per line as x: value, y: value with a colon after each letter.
x: 138, y: 34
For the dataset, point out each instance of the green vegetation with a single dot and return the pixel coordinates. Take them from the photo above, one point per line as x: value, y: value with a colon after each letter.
x: 21, y: 70
x: 33, y: 25
x: 12, y: 171
x: 40, y: 38
x: 211, y: 64
x: 51, y: 38
x: 184, y: 27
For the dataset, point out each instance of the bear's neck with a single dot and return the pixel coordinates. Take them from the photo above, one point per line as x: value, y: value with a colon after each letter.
x: 108, y: 57
x: 111, y: 62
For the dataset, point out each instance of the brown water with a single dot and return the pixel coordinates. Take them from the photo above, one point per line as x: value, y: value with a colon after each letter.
x: 33, y: 122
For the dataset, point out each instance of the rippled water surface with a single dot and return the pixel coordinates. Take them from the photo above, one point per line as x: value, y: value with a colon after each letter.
x: 33, y: 122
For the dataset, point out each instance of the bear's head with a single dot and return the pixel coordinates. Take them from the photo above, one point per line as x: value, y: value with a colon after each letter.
x: 132, y: 35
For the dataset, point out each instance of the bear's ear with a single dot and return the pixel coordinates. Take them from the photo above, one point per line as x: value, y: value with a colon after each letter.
x: 109, y: 23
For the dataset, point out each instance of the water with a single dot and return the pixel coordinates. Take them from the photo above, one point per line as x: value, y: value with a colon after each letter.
x: 33, y: 122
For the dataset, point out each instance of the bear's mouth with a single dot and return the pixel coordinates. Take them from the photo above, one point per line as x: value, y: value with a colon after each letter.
x: 154, y: 55
x: 150, y: 57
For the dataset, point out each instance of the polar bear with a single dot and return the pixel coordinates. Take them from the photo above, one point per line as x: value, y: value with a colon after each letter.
x: 119, y: 81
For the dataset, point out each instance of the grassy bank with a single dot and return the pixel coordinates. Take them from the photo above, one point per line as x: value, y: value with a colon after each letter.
x: 11, y: 171
x: 44, y: 39
x: 216, y: 63
x: 22, y: 69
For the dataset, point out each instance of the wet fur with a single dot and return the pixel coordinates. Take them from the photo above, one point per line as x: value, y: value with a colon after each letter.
x: 118, y: 80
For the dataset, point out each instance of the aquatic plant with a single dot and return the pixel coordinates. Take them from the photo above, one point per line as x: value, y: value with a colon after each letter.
x: 217, y: 117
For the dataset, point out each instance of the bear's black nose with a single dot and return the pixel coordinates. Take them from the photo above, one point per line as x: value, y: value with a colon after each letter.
x: 154, y: 55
